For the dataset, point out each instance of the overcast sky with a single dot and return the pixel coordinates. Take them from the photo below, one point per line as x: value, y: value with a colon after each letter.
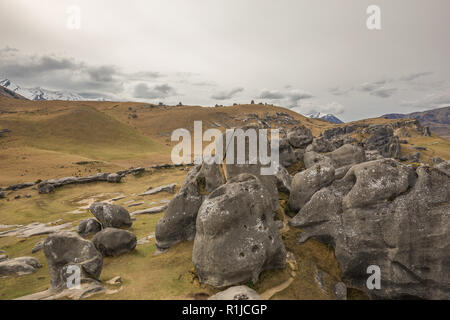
x: 303, y: 54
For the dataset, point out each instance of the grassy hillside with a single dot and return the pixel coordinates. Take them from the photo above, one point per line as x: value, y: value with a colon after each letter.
x: 49, y: 138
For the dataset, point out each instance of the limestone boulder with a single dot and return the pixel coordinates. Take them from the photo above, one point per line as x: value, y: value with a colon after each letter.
x: 236, y: 236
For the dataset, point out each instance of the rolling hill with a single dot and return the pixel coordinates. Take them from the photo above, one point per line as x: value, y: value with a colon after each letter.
x: 49, y: 139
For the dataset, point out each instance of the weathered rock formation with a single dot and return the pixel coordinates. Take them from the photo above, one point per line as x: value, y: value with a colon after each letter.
x: 236, y: 236
x: 308, y: 182
x: 178, y: 223
x: 67, y: 249
x: 386, y: 214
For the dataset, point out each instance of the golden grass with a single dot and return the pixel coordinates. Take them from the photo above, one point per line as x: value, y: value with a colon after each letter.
x: 60, y: 205
x: 436, y: 147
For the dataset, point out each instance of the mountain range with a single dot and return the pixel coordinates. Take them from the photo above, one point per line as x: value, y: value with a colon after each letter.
x: 437, y: 119
x: 38, y: 94
x: 324, y: 116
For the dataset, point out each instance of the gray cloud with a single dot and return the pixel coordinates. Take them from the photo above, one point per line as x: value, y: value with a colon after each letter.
x: 313, y: 107
x: 143, y: 91
x: 102, y: 73
x: 432, y: 100
x: 36, y: 66
x: 414, y: 76
x: 272, y: 95
x: 338, y: 91
x: 384, y: 92
x: 144, y: 75
x: 225, y: 95
x: 291, y: 97
x: 372, y: 86
x: 7, y: 49
x: 294, y: 96
x: 63, y: 73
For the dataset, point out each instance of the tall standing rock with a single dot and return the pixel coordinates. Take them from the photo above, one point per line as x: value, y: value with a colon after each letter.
x: 236, y: 236
x: 178, y: 223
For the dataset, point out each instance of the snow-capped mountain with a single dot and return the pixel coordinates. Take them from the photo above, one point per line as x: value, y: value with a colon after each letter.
x: 38, y: 94
x: 324, y: 116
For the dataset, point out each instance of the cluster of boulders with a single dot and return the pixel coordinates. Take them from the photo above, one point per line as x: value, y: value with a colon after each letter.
x: 229, y: 212
x: 69, y: 253
x: 109, y: 238
x: 386, y: 214
x: 352, y: 194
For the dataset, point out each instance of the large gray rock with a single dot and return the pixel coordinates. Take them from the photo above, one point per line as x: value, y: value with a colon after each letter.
x: 299, y: 136
x: 381, y: 138
x: 321, y: 144
x: 110, y: 215
x: 114, y: 178
x: 287, y: 153
x: 346, y: 155
x: 89, y: 226
x: 236, y: 236
x: 236, y: 293
x: 178, y: 223
x: 386, y: 214
x: 113, y: 242
x: 378, y: 180
x: 269, y: 182
x: 308, y: 182
x: 19, y: 266
x: 312, y: 158
x: 66, y: 249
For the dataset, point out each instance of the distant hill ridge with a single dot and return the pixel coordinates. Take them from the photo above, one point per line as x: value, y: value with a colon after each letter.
x: 437, y: 119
